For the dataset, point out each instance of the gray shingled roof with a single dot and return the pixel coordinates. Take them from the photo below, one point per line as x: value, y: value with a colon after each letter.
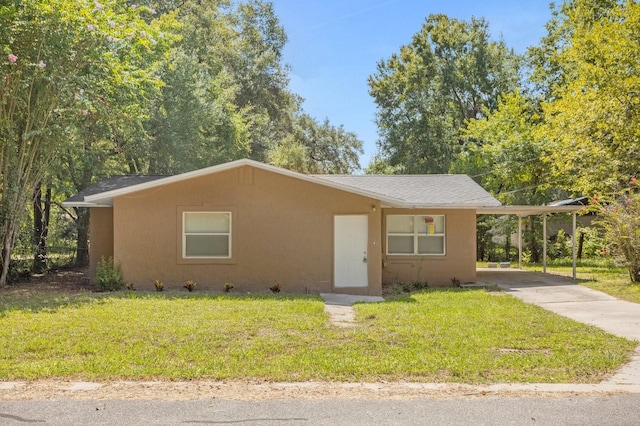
x: 421, y: 190
x: 409, y: 191
x: 109, y: 184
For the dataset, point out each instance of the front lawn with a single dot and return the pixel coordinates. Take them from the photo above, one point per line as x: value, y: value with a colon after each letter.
x: 470, y: 336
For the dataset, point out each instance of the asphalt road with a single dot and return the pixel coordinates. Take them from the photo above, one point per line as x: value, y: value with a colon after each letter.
x: 575, y: 410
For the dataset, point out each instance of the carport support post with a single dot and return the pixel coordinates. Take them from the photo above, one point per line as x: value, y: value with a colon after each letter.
x: 573, y: 243
x: 519, y: 242
x: 544, y: 243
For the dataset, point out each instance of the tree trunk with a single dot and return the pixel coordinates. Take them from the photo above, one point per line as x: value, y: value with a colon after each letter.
x: 8, y: 238
x: 41, y: 216
x: 533, y: 246
x: 507, y: 247
x: 634, y: 272
x: 82, y: 239
x: 580, y: 245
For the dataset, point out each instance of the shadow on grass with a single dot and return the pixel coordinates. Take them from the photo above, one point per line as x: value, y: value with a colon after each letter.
x: 407, y: 297
x: 52, y: 302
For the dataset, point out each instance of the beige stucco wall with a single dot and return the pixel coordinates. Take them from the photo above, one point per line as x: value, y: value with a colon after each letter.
x: 100, y: 236
x: 458, y: 262
x: 282, y: 233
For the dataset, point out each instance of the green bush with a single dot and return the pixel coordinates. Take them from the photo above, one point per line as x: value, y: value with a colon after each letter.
x: 619, y: 217
x: 109, y: 276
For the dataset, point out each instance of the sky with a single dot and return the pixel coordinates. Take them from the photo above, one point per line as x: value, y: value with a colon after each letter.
x: 334, y: 46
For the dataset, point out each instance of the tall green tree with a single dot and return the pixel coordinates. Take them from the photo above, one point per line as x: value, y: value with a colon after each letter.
x: 226, y: 94
x: 63, y: 61
x: 588, y: 67
x: 450, y: 72
x: 504, y: 154
x: 317, y: 148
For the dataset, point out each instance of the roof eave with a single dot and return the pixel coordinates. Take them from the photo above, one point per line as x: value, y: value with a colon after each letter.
x: 85, y: 204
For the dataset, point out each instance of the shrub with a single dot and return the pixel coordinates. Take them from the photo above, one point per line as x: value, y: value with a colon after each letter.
x: 159, y: 285
x: 227, y: 287
x: 400, y: 288
x: 275, y: 288
x: 619, y: 216
x: 561, y: 247
x: 420, y: 285
x: 190, y: 285
x: 109, y: 275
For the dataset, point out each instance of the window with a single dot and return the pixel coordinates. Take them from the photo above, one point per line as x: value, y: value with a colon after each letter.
x: 410, y: 235
x: 206, y: 235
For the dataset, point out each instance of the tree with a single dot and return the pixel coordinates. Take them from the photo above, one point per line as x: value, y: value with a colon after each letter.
x: 449, y: 73
x: 503, y: 151
x: 63, y: 61
x: 226, y: 94
x: 318, y: 148
x: 588, y: 67
x: 619, y: 217
x: 504, y: 154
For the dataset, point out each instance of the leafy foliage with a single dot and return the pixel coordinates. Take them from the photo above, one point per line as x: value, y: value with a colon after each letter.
x: 503, y: 152
x: 318, y: 148
x: 109, y: 276
x: 588, y: 67
x: 619, y: 216
x: 94, y: 89
x: 450, y: 72
x: 66, y: 64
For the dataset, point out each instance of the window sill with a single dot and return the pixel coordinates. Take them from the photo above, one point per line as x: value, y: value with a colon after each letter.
x: 414, y: 256
x: 206, y: 261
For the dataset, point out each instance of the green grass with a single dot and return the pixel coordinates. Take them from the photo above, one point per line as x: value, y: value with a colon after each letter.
x: 598, y: 274
x: 470, y: 336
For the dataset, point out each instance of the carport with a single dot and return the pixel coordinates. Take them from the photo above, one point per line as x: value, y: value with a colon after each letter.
x: 544, y: 211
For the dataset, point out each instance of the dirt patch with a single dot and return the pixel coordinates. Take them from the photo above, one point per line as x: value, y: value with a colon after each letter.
x: 257, y: 391
x: 59, y: 281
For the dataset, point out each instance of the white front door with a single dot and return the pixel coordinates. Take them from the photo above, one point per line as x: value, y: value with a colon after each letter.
x: 350, y: 236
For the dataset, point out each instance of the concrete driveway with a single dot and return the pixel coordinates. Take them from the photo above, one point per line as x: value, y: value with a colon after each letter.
x: 563, y: 296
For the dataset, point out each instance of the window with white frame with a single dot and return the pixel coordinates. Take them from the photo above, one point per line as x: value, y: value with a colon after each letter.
x: 206, y: 235
x: 416, y: 234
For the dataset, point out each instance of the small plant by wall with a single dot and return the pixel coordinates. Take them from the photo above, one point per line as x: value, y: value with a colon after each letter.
x: 228, y: 287
x: 159, y: 285
x: 190, y: 285
x: 109, y: 276
x: 275, y: 288
x: 406, y: 287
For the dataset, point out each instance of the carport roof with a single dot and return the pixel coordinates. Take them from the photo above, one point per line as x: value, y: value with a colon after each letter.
x: 528, y: 210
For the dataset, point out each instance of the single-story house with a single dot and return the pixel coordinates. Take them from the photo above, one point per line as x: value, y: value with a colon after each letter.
x: 256, y: 225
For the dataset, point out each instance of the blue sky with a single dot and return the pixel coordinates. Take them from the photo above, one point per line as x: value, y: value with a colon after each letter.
x: 334, y: 46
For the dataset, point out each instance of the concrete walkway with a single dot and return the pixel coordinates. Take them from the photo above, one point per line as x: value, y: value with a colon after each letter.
x: 561, y: 295
x: 340, y: 307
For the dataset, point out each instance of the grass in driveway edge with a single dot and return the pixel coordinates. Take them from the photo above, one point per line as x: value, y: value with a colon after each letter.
x: 458, y: 335
x: 600, y: 274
